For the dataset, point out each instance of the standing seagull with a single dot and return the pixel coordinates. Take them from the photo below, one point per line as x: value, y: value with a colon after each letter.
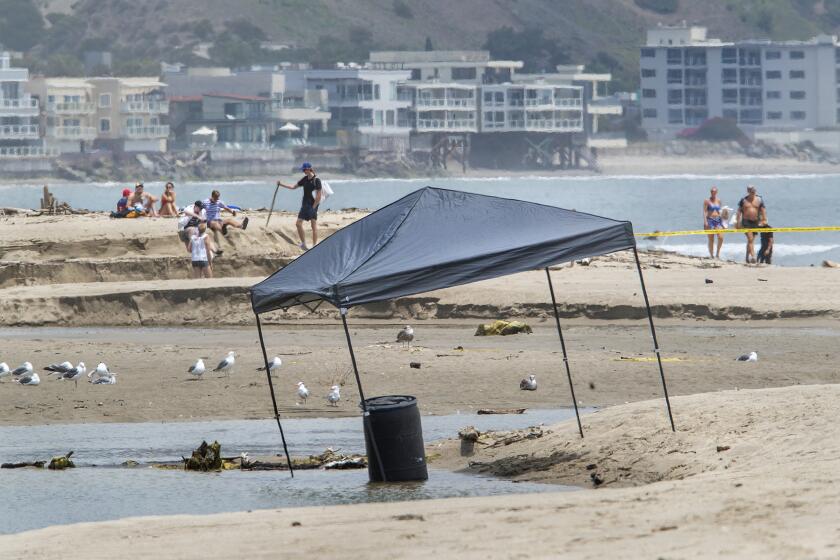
x: 406, y: 335
x: 63, y: 367
x: 334, y: 396
x: 74, y: 374
x: 302, y: 392
x: 272, y: 365
x: 529, y: 384
x: 197, y: 369
x: 23, y: 369
x: 29, y: 379
x: 226, y: 365
x: 751, y: 357
x: 4, y: 370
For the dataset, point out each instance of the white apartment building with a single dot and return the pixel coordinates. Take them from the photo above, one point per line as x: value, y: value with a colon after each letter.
x: 19, y: 134
x: 687, y: 78
x: 68, y: 112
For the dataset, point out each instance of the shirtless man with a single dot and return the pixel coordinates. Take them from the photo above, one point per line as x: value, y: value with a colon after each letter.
x: 143, y: 198
x: 751, y: 212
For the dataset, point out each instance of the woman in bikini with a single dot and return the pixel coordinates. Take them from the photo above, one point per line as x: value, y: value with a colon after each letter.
x: 712, y: 220
x: 167, y: 201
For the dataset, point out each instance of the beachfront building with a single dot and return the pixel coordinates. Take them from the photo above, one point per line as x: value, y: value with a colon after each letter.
x: 19, y: 132
x: 131, y: 114
x: 68, y: 112
x: 765, y: 87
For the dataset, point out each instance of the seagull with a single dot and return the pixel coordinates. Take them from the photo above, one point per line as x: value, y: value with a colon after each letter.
x: 110, y: 379
x: 529, y: 384
x: 272, y: 365
x: 302, y: 391
x: 4, y: 370
x: 29, y: 379
x: 406, y: 335
x: 226, y: 365
x: 751, y: 357
x: 63, y: 367
x: 334, y: 396
x: 74, y: 374
x: 197, y: 368
x: 23, y: 369
x: 100, y: 371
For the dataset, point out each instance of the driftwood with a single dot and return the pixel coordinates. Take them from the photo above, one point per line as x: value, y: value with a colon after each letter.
x: 501, y: 410
x: 329, y: 459
x: 208, y: 457
x: 61, y: 463
x: 36, y: 464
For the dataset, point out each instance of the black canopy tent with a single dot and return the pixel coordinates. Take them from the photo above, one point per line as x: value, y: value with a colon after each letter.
x: 437, y: 238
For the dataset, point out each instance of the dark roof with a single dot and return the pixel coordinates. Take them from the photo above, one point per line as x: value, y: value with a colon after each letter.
x: 436, y: 238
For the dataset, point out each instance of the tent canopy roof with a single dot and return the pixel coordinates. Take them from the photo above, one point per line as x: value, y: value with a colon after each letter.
x: 436, y: 238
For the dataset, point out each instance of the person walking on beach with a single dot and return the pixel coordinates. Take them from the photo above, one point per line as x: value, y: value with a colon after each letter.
x: 201, y: 249
x: 712, y: 220
x: 309, y: 205
x: 751, y: 212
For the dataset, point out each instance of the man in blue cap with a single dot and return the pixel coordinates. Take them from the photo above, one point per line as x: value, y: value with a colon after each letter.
x: 309, y: 205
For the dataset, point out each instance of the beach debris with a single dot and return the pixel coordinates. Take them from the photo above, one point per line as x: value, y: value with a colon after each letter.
x: 469, y: 433
x: 226, y: 365
x: 197, y: 369
x: 503, y: 328
x: 459, y: 348
x: 591, y: 386
x: 130, y: 463
x: 591, y: 466
x: 584, y: 262
x: 302, y: 392
x: 709, y: 281
x: 330, y: 459
x: 275, y: 363
x: 414, y: 365
x: 296, y: 524
x: 596, y: 479
x: 762, y: 279
x: 35, y: 464
x: 501, y: 410
x: 409, y: 517
x: 751, y: 357
x: 721, y: 448
x: 208, y: 457
x: 334, y: 396
x: 830, y: 264
x: 61, y: 463
x: 529, y: 384
x: 406, y: 336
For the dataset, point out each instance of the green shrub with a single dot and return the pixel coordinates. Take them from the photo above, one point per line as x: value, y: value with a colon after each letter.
x: 659, y: 6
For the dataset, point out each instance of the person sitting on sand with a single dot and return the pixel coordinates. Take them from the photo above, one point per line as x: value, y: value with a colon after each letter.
x: 214, y: 207
x: 712, y: 220
x: 122, y: 205
x: 201, y: 251
x: 188, y: 223
x: 143, y: 199
x: 167, y: 201
x: 765, y: 252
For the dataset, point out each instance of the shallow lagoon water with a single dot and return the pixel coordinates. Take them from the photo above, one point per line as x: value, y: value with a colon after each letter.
x: 33, y: 498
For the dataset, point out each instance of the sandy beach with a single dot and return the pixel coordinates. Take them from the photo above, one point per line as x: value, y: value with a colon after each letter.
x: 74, y: 288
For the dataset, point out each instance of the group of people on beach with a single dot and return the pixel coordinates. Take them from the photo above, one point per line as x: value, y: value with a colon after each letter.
x: 751, y: 215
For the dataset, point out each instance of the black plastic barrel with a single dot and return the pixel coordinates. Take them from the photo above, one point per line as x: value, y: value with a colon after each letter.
x: 394, y: 439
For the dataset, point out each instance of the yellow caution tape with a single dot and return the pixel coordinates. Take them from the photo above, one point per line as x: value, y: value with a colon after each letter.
x: 745, y: 230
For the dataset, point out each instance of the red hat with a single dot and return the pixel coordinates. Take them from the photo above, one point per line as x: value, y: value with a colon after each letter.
x: 126, y: 192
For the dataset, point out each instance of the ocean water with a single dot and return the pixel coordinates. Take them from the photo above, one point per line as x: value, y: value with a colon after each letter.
x: 669, y: 202
x: 99, y: 489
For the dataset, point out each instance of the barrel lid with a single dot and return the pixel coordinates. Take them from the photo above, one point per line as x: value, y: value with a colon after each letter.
x: 390, y: 402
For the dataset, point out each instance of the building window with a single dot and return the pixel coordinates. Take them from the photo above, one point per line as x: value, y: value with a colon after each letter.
x: 104, y: 125
x: 675, y: 76
x: 675, y: 97
x: 649, y: 113
x: 463, y: 73
x: 376, y: 91
x: 389, y: 118
x: 648, y: 73
x: 104, y: 100
x: 797, y: 115
x: 648, y: 53
x: 773, y: 55
x: 730, y: 96
x: 774, y: 74
x: 415, y: 74
x: 675, y: 116
x: 797, y: 55
x: 729, y: 56
x: 730, y: 76
x: 797, y: 95
x: 774, y: 115
x: 51, y: 99
x: 674, y: 56
x: 774, y: 95
x: 797, y: 74
x: 649, y: 93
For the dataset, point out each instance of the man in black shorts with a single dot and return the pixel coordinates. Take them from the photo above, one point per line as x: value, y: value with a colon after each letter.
x: 751, y: 212
x: 309, y: 205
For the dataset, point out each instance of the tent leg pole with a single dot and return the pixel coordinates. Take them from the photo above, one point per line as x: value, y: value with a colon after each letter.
x: 365, y: 414
x: 273, y: 398
x: 655, y: 343
x: 563, y: 347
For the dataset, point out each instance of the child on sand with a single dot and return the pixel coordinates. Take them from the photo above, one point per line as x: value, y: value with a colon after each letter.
x: 201, y: 249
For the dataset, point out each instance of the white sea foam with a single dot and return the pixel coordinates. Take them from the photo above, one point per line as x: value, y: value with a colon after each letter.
x: 736, y: 250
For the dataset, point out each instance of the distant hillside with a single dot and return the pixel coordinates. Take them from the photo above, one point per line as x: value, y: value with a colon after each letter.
x: 604, y: 33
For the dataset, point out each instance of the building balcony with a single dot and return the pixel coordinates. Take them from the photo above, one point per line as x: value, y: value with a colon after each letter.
x: 545, y: 102
x: 17, y: 152
x: 19, y: 131
x: 8, y: 74
x: 465, y: 125
x: 72, y: 132
x: 145, y: 107
x: 20, y: 107
x: 568, y: 102
x: 555, y: 124
x: 71, y: 108
x: 445, y: 102
x: 139, y: 132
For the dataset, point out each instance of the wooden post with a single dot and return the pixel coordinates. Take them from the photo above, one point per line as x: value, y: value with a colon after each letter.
x: 270, y: 210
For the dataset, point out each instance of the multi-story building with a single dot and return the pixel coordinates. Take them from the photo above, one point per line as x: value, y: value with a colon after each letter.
x: 19, y: 133
x: 131, y: 114
x: 687, y: 78
x: 68, y: 112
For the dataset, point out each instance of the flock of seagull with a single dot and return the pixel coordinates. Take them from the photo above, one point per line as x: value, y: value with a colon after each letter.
x: 25, y: 374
